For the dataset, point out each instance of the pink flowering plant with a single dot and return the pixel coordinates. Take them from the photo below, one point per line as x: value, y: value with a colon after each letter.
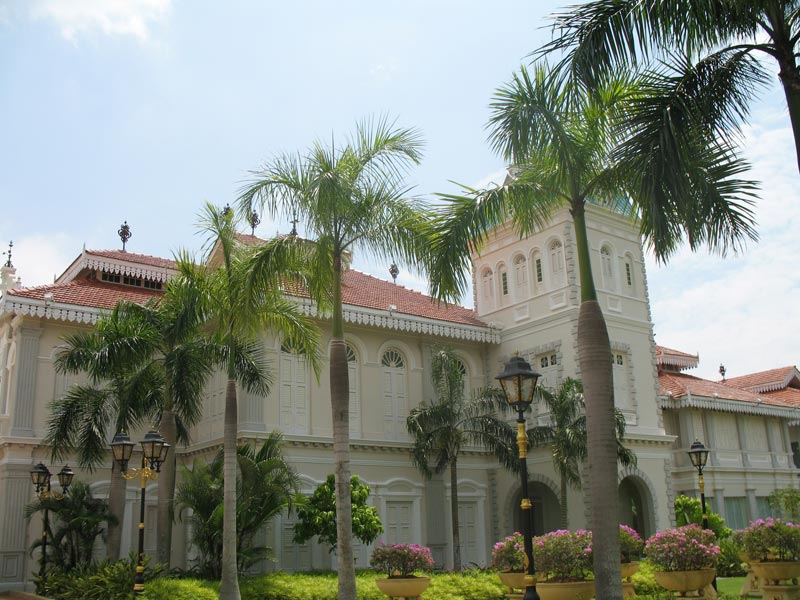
x: 631, y: 544
x: 509, y: 554
x: 561, y: 556
x: 401, y: 560
x: 686, y: 548
x: 771, y: 540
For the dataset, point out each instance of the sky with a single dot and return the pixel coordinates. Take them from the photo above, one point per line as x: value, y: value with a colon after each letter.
x: 142, y: 110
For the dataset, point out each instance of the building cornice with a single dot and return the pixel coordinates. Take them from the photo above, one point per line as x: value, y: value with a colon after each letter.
x: 734, y: 406
x: 55, y: 310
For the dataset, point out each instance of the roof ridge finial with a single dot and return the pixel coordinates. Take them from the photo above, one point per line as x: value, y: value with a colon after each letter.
x: 125, y: 234
x: 8, y: 262
x: 394, y: 271
x: 722, y: 371
x: 293, y: 232
x: 254, y: 220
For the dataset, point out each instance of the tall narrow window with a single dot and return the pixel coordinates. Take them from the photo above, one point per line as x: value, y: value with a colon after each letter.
x: 620, y: 373
x: 520, y: 277
x: 355, y: 389
x: 607, y: 262
x: 395, y: 403
x: 294, y: 409
x: 538, y: 272
x: 629, y: 273
x: 487, y: 285
x: 548, y: 368
x: 557, y: 262
x: 504, y: 279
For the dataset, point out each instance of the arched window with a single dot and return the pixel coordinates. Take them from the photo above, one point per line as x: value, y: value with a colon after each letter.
x: 557, y: 269
x: 607, y: 268
x: 538, y: 272
x: 294, y: 392
x: 355, y: 386
x: 505, y: 288
x: 520, y: 277
x: 395, y: 402
x: 464, y: 375
x: 487, y: 287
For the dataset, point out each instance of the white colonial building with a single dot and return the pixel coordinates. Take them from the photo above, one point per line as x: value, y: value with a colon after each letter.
x: 526, y: 295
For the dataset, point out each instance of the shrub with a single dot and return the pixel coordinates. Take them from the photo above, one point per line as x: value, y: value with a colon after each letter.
x: 179, y: 589
x: 729, y: 563
x: 562, y: 555
x: 771, y: 539
x: 689, y: 510
x: 683, y: 549
x: 630, y: 544
x: 785, y: 504
x: 401, y: 560
x: 509, y: 554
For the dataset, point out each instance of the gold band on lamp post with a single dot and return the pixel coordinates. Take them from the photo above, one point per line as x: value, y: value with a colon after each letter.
x: 154, y: 453
x: 518, y: 381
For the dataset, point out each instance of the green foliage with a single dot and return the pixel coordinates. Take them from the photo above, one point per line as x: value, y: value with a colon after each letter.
x: 265, y: 488
x: 180, y: 589
x: 99, y: 581
x: 562, y: 556
x: 74, y: 523
x: 729, y: 564
x: 689, y: 510
x: 644, y: 582
x: 785, y: 504
x: 317, y: 515
x: 771, y: 539
x: 401, y: 560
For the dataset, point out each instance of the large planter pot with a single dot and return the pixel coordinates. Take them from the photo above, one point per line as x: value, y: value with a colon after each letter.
x: 628, y: 569
x: 571, y: 590
x: 684, y: 581
x: 513, y: 580
x: 403, y: 587
x: 774, y: 571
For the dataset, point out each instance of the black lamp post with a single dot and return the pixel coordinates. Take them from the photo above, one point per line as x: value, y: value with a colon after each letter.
x: 154, y: 452
x: 698, y: 454
x: 40, y: 477
x: 519, y: 382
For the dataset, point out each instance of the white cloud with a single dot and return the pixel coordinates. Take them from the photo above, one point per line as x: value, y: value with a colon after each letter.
x: 38, y: 258
x: 741, y: 311
x: 76, y: 18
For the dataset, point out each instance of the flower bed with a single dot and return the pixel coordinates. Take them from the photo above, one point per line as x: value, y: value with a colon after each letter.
x: 771, y: 540
x: 631, y: 544
x: 401, y: 560
x: 509, y: 554
x: 561, y: 556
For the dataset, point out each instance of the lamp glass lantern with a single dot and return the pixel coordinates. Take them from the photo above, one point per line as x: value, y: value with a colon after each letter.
x: 162, y: 457
x: 698, y: 454
x: 65, y: 476
x: 40, y: 476
x: 518, y: 380
x: 122, y: 449
x: 152, y: 445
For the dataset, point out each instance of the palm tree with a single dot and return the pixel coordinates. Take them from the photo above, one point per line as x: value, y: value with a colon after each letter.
x: 164, y: 342
x: 120, y: 395
x: 267, y: 486
x: 350, y: 197
x: 241, y: 301
x: 562, y: 144
x: 566, y: 435
x: 728, y: 36
x: 446, y: 426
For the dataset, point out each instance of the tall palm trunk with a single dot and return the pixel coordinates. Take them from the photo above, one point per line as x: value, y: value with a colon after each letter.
x: 340, y: 409
x: 166, y: 489
x: 564, y: 508
x: 454, y: 514
x: 229, y: 586
x: 594, y: 355
x: 116, y: 504
x: 789, y: 77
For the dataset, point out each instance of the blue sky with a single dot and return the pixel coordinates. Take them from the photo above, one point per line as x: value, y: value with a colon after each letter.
x: 141, y: 110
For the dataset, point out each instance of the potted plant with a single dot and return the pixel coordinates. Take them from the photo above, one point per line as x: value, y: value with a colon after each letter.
x: 508, y: 557
x: 683, y: 558
x: 400, y: 562
x: 631, y: 546
x: 772, y: 547
x: 563, y: 561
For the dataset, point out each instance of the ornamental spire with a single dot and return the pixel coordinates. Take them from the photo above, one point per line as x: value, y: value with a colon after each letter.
x: 254, y: 221
x: 8, y: 262
x: 394, y: 271
x: 124, y: 234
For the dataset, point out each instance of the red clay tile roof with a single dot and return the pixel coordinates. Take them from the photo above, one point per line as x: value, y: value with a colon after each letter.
x: 141, y: 259
x: 763, y: 381
x: 790, y: 395
x: 83, y: 292
x: 679, y: 384
x: 683, y: 360
x: 360, y: 289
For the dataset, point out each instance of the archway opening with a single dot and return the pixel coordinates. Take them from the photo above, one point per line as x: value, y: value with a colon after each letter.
x: 545, y: 508
x: 635, y: 506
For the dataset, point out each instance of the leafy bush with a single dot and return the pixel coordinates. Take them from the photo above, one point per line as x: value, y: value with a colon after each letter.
x: 180, y: 589
x: 785, y: 504
x: 644, y: 582
x: 401, y: 560
x: 509, y: 554
x: 630, y: 544
x: 563, y: 555
x: 690, y: 510
x: 729, y: 564
x: 771, y: 539
x: 682, y: 549
x: 100, y: 581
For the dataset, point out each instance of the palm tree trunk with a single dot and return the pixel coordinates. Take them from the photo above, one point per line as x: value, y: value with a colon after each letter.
x: 340, y: 409
x: 790, y: 80
x: 594, y: 355
x: 564, y: 509
x: 166, y: 490
x: 454, y: 514
x: 116, y: 504
x: 229, y: 586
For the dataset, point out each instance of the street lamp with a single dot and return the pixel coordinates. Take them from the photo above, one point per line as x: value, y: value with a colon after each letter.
x: 698, y: 454
x: 154, y: 453
x: 40, y: 477
x: 519, y: 382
